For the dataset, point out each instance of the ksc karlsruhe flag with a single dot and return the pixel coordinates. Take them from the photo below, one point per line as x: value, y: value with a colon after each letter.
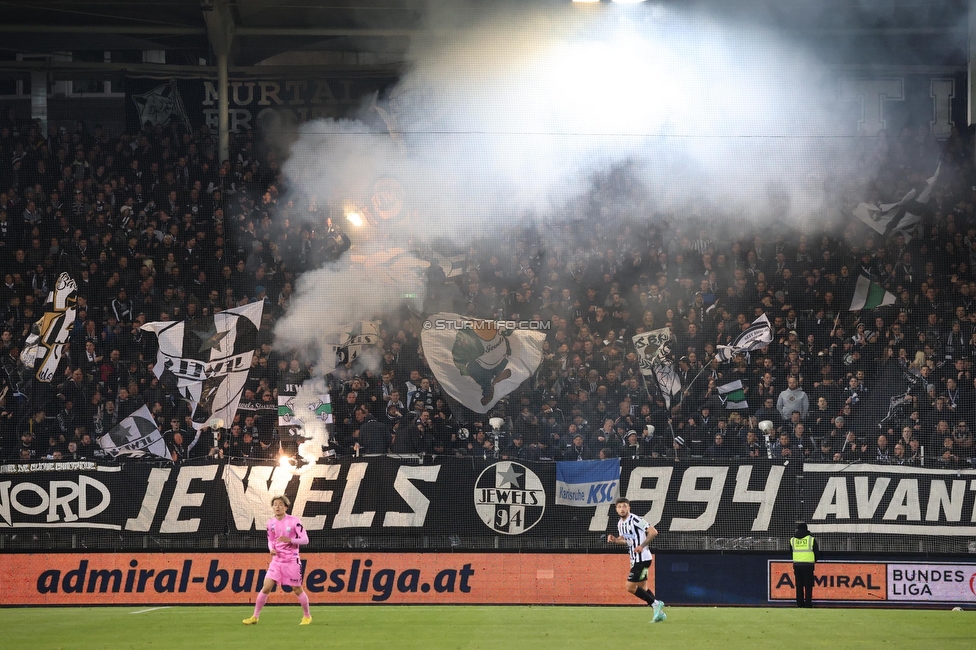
x: 475, y: 362
x: 758, y: 335
x: 870, y: 295
x: 902, y: 217
x: 136, y: 435
x: 45, y: 344
x: 650, y: 345
x: 587, y: 483
x: 208, y: 358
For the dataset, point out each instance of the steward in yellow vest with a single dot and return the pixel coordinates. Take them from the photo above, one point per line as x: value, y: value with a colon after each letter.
x: 805, y: 551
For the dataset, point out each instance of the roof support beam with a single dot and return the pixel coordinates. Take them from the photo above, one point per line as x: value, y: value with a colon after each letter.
x: 103, y: 29
x: 220, y: 31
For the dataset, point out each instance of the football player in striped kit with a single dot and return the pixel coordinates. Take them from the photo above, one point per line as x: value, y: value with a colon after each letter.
x: 637, y: 534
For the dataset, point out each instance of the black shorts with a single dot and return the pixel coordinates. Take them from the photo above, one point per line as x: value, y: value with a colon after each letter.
x: 638, y: 572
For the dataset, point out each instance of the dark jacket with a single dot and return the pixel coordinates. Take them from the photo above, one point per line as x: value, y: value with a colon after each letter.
x: 375, y: 437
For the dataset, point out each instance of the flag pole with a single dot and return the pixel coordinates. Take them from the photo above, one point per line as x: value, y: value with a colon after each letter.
x: 695, y: 378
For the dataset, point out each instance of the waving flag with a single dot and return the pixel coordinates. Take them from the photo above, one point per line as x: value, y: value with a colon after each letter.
x: 650, y: 346
x: 208, y: 359
x: 733, y: 395
x: 136, y: 435
x: 397, y: 267
x: 349, y: 343
x: 587, y: 483
x: 45, y: 345
x: 902, y: 217
x: 653, y: 349
x: 475, y: 362
x: 758, y: 335
x: 869, y: 295
x: 667, y: 380
x: 305, y: 396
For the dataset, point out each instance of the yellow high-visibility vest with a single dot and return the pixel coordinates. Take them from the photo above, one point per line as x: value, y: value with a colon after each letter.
x: 802, y: 550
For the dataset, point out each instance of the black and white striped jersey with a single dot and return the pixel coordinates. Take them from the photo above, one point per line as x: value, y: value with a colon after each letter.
x: 634, y: 530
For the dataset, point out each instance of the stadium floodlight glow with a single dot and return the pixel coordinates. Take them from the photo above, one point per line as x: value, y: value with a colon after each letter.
x: 355, y: 218
x: 628, y: 2
x: 586, y: 1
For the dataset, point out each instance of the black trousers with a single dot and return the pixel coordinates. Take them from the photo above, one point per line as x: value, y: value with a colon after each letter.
x: 803, y: 575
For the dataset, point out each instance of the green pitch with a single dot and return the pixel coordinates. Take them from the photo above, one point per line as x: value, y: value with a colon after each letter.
x: 539, y: 628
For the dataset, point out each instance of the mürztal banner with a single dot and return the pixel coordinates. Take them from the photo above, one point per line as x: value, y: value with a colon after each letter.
x: 193, y: 102
x: 891, y: 102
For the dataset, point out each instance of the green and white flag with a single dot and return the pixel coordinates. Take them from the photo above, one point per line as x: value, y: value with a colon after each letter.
x: 307, y: 400
x: 733, y: 395
x: 869, y: 295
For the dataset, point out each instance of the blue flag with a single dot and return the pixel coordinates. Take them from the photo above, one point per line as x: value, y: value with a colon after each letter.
x: 587, y: 483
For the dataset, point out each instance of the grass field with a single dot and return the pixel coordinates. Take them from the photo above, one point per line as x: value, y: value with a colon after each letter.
x: 512, y: 628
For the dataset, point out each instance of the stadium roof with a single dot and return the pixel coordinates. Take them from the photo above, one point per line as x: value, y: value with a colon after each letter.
x: 377, y: 32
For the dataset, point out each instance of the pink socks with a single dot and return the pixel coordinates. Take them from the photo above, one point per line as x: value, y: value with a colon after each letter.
x: 259, y: 603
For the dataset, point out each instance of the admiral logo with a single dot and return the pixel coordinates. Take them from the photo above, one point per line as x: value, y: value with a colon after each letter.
x: 834, y: 581
x: 509, y: 498
x: 850, y: 581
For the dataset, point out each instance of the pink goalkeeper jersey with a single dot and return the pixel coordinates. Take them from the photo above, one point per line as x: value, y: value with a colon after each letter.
x: 290, y: 527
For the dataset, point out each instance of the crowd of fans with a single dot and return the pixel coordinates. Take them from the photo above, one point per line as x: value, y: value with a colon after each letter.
x: 153, y: 226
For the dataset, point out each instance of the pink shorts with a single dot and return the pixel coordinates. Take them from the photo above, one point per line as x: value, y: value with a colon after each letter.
x: 286, y: 573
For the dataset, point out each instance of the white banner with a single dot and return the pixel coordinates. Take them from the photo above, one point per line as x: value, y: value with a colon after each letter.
x: 935, y: 583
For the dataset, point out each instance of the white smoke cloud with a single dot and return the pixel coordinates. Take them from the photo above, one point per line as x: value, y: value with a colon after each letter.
x: 511, y: 115
x: 312, y: 428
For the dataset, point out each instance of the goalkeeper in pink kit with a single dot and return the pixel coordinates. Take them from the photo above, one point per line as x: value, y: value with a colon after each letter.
x: 285, y: 535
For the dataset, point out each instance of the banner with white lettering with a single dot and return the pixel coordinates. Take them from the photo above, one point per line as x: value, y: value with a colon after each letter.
x: 872, y: 103
x: 882, y: 500
x: 135, y: 498
x: 193, y: 102
x: 459, y: 502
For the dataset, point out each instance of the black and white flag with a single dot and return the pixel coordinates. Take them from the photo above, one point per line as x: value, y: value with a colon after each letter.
x: 667, y: 379
x: 136, y: 435
x: 758, y: 335
x: 160, y: 106
x: 352, y: 341
x: 208, y: 359
x: 44, y: 347
x: 650, y: 346
x: 901, y: 218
